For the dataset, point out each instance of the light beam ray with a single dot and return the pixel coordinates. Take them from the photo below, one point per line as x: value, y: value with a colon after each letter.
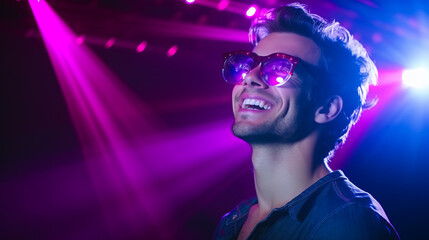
x: 389, y: 85
x: 108, y: 120
x: 136, y: 170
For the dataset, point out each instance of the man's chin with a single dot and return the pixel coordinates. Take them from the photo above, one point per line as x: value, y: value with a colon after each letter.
x: 242, y: 130
x: 253, y: 134
x: 263, y: 134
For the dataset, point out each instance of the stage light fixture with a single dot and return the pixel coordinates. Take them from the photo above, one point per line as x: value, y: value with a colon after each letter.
x: 251, y: 11
x: 417, y: 78
x: 141, y: 47
x: 222, y: 5
x: 173, y: 50
x: 190, y: 1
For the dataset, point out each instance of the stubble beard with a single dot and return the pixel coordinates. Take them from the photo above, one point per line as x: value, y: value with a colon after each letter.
x: 274, y: 131
x: 264, y: 133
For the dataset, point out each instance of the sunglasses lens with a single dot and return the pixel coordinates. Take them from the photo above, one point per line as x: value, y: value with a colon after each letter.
x: 276, y: 71
x: 236, y: 67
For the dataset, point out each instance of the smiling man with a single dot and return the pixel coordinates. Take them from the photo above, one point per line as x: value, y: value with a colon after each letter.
x: 296, y: 95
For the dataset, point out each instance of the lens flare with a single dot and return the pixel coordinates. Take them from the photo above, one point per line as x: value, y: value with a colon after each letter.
x: 110, y: 42
x: 80, y: 39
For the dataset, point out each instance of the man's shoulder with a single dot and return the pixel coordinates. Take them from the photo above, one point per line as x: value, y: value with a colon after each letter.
x: 354, y: 221
x: 343, y: 209
x: 343, y: 192
x: 330, y: 193
x: 340, y: 194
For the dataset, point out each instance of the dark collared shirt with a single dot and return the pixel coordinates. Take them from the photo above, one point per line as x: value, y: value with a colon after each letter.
x: 332, y: 208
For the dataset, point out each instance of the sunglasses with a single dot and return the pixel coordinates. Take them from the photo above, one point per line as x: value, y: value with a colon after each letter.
x: 276, y: 68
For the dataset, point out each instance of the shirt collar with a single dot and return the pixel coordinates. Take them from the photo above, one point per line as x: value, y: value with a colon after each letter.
x: 294, y: 206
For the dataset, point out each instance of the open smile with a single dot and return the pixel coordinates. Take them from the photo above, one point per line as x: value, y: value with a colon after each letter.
x: 255, y: 104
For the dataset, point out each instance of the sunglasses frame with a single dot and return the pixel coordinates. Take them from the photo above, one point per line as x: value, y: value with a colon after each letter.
x: 257, y: 60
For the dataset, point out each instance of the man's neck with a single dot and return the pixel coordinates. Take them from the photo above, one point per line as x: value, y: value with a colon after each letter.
x: 283, y: 171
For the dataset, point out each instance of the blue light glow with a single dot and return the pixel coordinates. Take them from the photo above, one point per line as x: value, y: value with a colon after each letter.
x: 416, y: 78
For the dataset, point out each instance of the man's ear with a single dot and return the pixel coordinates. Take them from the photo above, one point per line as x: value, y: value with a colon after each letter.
x: 329, y: 111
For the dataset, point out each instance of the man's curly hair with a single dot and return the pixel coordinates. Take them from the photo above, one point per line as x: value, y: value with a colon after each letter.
x: 347, y: 70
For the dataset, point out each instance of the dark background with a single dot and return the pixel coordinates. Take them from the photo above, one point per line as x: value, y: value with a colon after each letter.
x: 388, y: 157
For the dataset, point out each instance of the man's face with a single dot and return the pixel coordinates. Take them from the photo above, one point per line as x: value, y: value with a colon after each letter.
x: 284, y: 111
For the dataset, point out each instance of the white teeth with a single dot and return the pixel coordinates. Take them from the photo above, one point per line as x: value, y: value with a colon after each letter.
x: 247, y: 103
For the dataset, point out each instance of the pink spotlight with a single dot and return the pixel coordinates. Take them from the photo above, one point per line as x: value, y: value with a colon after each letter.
x: 190, y: 1
x: 251, y: 11
x: 141, y: 47
x: 80, y: 39
x: 110, y: 43
x: 172, y: 50
x: 109, y: 120
x: 222, y: 5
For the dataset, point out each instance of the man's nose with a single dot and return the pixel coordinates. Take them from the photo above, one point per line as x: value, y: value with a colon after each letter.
x: 253, y: 79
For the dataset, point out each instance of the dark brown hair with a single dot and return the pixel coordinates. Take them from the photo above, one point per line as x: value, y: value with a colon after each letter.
x: 347, y: 69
